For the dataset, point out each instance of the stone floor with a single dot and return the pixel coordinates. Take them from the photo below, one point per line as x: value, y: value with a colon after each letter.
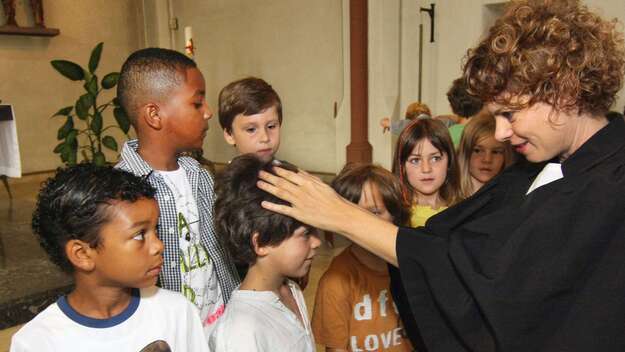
x: 29, y: 281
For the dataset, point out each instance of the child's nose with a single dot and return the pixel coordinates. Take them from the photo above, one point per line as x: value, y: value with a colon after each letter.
x: 488, y: 157
x: 264, y: 135
x: 315, y: 241
x: 208, y: 113
x: 425, y: 166
x: 157, y: 246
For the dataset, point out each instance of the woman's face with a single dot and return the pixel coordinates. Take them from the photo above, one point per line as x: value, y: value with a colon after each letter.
x: 487, y: 159
x: 426, y: 168
x: 538, y: 132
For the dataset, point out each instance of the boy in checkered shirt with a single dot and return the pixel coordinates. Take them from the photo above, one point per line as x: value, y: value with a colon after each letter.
x: 163, y: 93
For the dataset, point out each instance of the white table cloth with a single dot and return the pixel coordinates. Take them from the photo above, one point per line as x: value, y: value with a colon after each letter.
x: 10, y: 164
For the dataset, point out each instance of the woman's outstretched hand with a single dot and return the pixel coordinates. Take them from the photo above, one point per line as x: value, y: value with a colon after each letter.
x: 312, y: 201
x: 315, y: 203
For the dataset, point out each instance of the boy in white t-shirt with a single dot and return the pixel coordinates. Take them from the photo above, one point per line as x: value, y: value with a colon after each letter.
x: 267, y: 312
x: 99, y: 224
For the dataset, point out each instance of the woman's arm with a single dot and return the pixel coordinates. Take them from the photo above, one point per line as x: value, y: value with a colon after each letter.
x: 315, y: 203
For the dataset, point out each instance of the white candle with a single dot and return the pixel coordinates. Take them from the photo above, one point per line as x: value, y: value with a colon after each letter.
x: 188, y: 40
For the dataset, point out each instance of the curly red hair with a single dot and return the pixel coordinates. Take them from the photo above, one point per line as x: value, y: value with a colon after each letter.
x: 551, y: 51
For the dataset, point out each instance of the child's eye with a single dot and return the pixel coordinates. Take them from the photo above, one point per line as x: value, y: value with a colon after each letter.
x: 140, y: 236
x: 197, y: 105
x: 477, y: 150
x: 250, y: 130
x: 272, y: 126
x: 437, y: 158
x: 414, y: 160
x: 497, y: 151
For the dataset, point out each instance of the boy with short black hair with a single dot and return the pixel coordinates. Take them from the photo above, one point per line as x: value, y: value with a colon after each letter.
x: 250, y: 114
x: 99, y: 224
x: 163, y: 93
x: 267, y: 312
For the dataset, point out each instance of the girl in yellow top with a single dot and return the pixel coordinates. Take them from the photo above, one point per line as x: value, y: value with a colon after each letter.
x: 425, y: 162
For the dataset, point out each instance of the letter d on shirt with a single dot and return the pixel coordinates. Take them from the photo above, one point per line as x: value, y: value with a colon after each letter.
x: 363, y: 310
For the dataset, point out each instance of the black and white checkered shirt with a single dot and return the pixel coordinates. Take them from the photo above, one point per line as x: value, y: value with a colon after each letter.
x: 202, y: 185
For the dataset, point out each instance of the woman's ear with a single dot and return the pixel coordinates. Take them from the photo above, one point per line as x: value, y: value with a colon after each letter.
x: 80, y: 254
x: 260, y: 251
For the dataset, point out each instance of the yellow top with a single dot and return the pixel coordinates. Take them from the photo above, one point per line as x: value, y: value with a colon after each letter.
x: 419, y: 214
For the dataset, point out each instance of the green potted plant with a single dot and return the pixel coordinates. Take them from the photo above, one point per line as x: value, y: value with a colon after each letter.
x: 83, y: 129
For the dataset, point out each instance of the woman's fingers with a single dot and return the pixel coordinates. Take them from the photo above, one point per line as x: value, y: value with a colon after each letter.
x: 297, y: 178
x: 275, y: 187
x: 278, y: 208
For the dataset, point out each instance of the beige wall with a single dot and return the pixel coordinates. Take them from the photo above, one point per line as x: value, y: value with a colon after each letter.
x: 295, y: 45
x: 301, y: 47
x: 32, y: 86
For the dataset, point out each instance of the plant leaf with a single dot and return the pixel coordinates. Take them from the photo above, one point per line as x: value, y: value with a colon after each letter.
x: 63, y: 112
x: 122, y: 119
x: 59, y: 148
x: 96, y: 123
x: 71, y: 159
x: 92, y: 86
x: 109, y: 81
x: 71, y: 140
x: 83, y: 104
x: 71, y: 148
x: 68, y: 69
x: 65, y: 129
x: 94, y: 60
x: 99, y: 159
x: 110, y: 142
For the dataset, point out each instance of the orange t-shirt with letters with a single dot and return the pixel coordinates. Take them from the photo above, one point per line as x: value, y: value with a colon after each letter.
x: 354, y: 309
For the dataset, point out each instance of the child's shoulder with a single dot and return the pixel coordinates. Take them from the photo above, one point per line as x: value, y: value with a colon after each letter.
x: 341, y: 271
x: 192, y: 165
x: 41, y: 329
x: 170, y: 301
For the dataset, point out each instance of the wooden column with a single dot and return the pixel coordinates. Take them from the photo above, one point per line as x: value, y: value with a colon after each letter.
x: 359, y: 149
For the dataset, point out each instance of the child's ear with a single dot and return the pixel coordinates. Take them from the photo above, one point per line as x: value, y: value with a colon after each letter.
x: 229, y: 138
x: 260, y: 251
x: 80, y: 254
x: 150, y: 113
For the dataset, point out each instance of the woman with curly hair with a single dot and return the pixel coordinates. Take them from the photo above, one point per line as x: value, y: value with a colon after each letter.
x: 534, y: 261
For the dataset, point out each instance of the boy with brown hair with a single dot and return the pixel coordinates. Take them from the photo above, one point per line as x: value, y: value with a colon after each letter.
x: 267, y: 312
x: 163, y: 93
x: 355, y: 307
x: 250, y: 114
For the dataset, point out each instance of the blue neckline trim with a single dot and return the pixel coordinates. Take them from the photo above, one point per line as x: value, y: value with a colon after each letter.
x: 101, y: 323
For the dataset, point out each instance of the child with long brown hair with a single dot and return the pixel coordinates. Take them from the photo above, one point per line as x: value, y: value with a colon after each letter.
x: 353, y: 307
x: 425, y: 162
x: 480, y: 156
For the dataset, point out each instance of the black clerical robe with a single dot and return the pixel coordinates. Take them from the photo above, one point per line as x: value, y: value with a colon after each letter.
x: 506, y: 271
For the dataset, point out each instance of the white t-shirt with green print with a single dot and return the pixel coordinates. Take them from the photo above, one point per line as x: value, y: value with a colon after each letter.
x: 199, y: 280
